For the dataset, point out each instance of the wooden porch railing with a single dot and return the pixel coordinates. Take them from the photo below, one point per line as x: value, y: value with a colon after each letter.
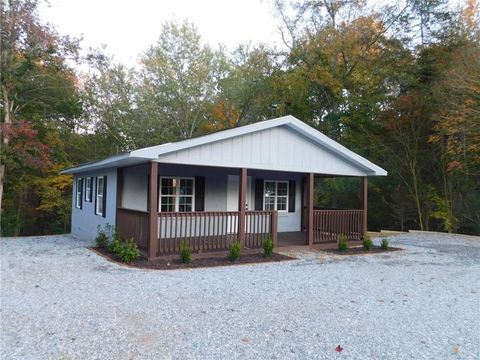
x: 329, y: 224
x: 260, y: 225
x: 212, y: 230
x: 134, y: 224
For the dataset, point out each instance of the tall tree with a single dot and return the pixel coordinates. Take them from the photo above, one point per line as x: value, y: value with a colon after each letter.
x: 35, y: 81
x: 245, y: 92
x: 179, y: 79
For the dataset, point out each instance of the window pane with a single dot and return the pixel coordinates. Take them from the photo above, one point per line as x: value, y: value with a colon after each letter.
x: 186, y: 187
x: 269, y: 203
x: 281, y: 203
x: 185, y: 203
x: 282, y: 189
x: 269, y: 188
x: 100, y: 205
x: 100, y: 186
x: 167, y: 204
x: 167, y: 187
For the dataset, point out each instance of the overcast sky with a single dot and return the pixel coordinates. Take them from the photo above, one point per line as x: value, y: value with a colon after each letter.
x: 127, y: 28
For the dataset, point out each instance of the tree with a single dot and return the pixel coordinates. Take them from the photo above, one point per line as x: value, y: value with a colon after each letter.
x: 244, y: 94
x: 179, y: 79
x: 36, y: 83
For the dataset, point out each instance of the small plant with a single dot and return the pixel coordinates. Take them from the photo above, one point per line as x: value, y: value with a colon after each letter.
x: 234, y: 250
x: 185, y: 252
x: 367, y: 242
x: 103, y: 235
x: 115, y: 245
x: 102, y: 239
x: 268, y: 245
x: 385, y: 244
x: 128, y: 251
x: 342, y: 242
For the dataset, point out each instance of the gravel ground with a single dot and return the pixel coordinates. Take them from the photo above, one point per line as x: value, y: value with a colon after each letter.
x: 61, y: 301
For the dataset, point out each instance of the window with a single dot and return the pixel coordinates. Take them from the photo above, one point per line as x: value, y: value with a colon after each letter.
x: 88, y: 189
x: 275, y: 195
x: 78, y: 200
x: 176, y: 194
x: 100, y: 195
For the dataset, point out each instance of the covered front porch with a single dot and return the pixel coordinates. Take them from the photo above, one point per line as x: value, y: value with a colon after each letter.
x: 227, y: 204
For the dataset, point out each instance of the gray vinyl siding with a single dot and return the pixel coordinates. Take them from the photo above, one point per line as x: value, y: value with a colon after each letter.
x: 84, y: 221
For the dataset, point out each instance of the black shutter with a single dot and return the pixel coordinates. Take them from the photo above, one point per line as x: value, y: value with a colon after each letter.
x: 291, y: 196
x: 199, y: 193
x: 104, y: 196
x: 81, y: 193
x: 91, y: 189
x: 94, y: 189
x: 258, y: 194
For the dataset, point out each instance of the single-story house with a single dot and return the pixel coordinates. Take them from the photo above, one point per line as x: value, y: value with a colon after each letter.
x: 246, y: 183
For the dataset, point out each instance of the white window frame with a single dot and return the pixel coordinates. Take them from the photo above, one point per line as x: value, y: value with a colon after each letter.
x: 78, y: 194
x: 177, y: 193
x: 88, y: 189
x: 276, y: 196
x: 99, y: 197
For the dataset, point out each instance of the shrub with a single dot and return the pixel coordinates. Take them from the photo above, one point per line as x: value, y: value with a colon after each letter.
x: 234, y: 250
x: 367, y: 242
x: 102, y: 239
x: 103, y: 235
x: 114, y: 246
x: 343, y: 242
x: 128, y: 251
x: 185, y: 252
x: 268, y: 245
x: 385, y: 245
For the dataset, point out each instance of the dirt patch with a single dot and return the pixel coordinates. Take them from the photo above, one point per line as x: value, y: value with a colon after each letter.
x: 361, y: 251
x: 173, y: 264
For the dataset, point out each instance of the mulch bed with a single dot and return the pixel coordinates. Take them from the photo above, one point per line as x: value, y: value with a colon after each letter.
x: 361, y: 251
x: 173, y: 264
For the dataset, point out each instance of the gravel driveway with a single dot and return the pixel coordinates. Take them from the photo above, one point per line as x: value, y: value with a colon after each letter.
x: 61, y: 301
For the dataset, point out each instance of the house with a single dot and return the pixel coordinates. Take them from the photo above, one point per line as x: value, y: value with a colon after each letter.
x: 246, y: 183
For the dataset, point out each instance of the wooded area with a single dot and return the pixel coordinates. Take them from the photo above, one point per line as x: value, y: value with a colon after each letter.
x: 398, y: 84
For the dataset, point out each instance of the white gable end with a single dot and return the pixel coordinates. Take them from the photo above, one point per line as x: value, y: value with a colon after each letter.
x: 278, y: 148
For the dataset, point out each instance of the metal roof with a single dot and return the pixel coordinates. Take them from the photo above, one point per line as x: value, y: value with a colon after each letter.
x: 154, y: 152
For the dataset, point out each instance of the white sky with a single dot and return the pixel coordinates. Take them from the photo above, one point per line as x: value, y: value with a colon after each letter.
x: 127, y: 28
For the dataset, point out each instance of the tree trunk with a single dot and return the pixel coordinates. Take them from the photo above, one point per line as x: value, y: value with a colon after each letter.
x: 7, y: 106
x: 417, y: 196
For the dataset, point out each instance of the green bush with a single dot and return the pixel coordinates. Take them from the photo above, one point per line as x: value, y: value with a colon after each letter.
x: 367, y: 242
x: 268, y: 245
x: 103, y: 236
x: 102, y: 239
x: 115, y: 244
x: 128, y: 251
x: 385, y: 244
x: 342, y: 242
x: 185, y: 252
x: 234, y: 250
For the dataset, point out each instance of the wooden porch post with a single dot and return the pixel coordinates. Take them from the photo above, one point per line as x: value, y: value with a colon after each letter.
x: 242, y: 203
x: 309, y: 216
x: 153, y: 211
x: 119, y: 194
x: 274, y: 229
x: 364, y: 204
